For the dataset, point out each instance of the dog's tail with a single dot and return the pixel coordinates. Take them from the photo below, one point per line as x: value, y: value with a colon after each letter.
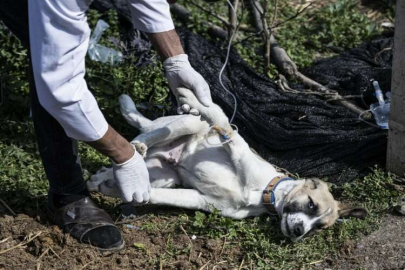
x: 131, y: 114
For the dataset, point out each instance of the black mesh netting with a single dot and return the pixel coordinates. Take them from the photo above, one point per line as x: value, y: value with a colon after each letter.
x: 301, y: 133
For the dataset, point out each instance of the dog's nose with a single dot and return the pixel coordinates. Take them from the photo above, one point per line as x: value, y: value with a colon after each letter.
x: 298, y: 230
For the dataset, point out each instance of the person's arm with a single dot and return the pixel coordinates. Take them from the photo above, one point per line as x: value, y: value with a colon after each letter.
x: 153, y: 17
x: 59, y: 39
x: 167, y: 44
x: 113, y: 145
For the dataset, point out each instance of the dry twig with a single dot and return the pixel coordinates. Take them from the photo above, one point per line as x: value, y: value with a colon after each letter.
x: 84, y: 266
x: 223, y: 247
x: 129, y: 220
x: 241, y: 264
x: 53, y: 251
x: 189, y: 239
x: 43, y: 254
x: 205, y: 265
x: 23, y: 243
x: 331, y: 95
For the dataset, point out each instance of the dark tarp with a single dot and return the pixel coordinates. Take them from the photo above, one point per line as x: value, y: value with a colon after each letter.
x: 303, y: 134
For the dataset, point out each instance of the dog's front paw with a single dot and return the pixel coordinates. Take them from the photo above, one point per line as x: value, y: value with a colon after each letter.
x: 110, y: 188
x: 140, y: 147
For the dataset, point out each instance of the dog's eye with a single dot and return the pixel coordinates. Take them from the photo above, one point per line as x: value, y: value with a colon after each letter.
x: 311, y: 204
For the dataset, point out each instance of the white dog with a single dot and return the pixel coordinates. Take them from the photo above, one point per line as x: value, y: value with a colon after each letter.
x: 216, y: 168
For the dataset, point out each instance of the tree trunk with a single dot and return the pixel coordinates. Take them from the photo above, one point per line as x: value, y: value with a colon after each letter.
x: 396, y: 134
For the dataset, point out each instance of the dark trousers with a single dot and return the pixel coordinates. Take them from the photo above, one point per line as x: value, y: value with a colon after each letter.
x: 59, y: 153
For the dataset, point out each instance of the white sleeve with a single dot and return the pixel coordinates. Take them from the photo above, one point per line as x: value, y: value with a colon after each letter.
x: 151, y: 16
x: 59, y: 38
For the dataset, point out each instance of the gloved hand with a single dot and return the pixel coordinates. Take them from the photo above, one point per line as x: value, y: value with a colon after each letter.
x: 180, y: 73
x: 132, y: 179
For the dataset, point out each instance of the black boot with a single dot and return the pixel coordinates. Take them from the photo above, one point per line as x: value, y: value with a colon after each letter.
x: 79, y: 216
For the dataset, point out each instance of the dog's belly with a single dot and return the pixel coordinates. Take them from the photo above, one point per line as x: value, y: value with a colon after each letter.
x: 201, y: 164
x: 170, y: 153
x: 207, y: 167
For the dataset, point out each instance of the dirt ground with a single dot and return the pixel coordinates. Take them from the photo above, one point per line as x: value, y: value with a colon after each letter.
x: 30, y: 242
x: 382, y: 249
x: 36, y: 244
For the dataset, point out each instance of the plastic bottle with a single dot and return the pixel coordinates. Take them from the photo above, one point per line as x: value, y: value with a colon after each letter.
x: 388, y: 95
x: 99, y: 52
x: 380, y: 109
x: 378, y: 93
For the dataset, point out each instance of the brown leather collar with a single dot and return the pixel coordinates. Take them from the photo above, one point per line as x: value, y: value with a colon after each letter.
x: 267, y: 193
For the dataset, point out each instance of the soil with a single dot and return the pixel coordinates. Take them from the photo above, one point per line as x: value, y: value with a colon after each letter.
x: 37, y: 244
x: 382, y: 249
x: 50, y: 248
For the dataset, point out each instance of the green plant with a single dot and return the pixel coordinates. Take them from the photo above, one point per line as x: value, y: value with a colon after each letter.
x: 375, y: 190
x: 308, y: 37
x: 13, y: 67
x: 340, y: 25
x: 23, y: 181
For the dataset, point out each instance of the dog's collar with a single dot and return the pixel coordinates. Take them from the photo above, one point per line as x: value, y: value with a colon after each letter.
x: 268, y: 193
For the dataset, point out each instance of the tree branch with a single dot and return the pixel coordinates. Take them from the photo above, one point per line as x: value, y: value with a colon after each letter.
x: 279, y: 56
x: 232, y: 17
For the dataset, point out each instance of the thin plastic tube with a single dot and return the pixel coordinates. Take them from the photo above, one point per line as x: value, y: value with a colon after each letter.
x: 224, y: 66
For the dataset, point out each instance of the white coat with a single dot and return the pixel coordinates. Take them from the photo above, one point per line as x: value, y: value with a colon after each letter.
x: 59, y: 39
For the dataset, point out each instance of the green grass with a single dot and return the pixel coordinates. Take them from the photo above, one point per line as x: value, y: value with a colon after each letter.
x: 23, y: 182
x: 306, y: 38
x: 262, y: 241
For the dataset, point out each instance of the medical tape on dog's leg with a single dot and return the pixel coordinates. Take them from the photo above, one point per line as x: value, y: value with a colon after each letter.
x: 222, y: 133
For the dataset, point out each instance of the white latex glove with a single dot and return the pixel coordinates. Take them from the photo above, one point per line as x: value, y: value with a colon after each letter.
x: 180, y: 73
x: 132, y: 179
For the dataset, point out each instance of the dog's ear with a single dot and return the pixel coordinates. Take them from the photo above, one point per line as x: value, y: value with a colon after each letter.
x: 346, y: 211
x: 313, y: 183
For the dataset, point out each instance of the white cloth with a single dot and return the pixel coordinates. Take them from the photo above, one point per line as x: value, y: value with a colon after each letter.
x: 151, y: 16
x: 59, y: 39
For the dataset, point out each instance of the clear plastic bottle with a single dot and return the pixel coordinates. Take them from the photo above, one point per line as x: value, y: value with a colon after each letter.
x: 99, y: 52
x: 380, y: 109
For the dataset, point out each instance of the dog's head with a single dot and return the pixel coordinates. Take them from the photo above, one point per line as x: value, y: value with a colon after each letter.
x: 309, y: 207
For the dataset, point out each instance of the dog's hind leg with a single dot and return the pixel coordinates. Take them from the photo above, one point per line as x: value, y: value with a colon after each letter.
x: 248, y: 165
x: 183, y: 198
x: 131, y: 114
